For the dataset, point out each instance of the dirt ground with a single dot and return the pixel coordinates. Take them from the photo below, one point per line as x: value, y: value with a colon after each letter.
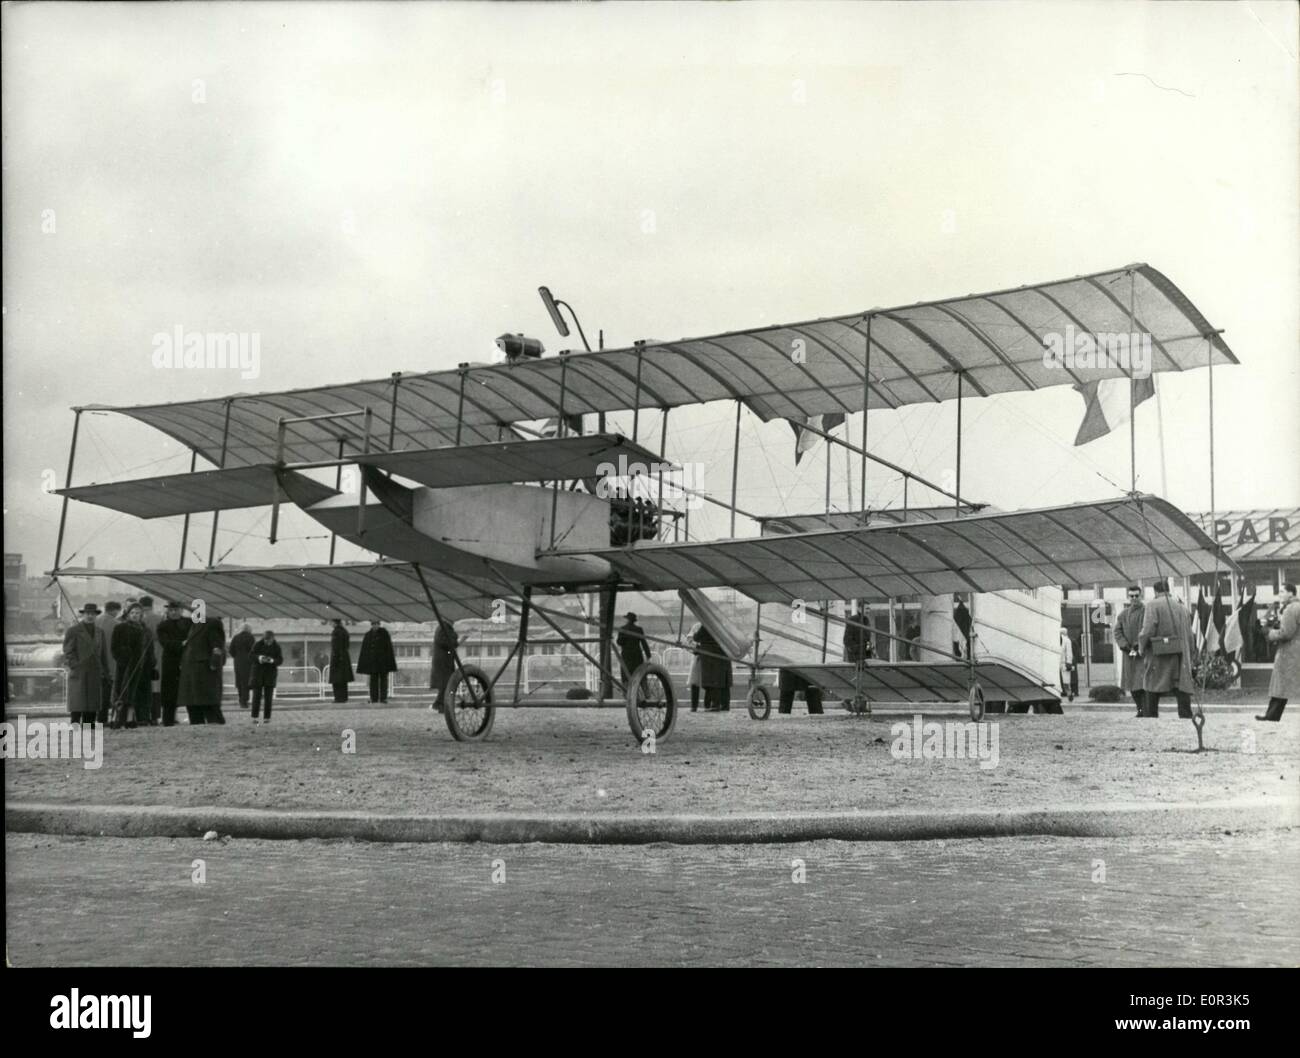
x: 571, y: 760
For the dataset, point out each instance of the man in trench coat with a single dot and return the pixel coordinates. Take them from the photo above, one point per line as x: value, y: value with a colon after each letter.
x: 86, y: 654
x: 1128, y: 626
x: 1167, y: 623
x: 1285, y: 683
x: 202, y: 660
x: 340, y: 660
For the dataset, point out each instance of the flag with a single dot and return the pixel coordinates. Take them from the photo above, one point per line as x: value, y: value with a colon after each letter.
x: 1218, y: 619
x: 1202, y: 617
x: 1108, y: 402
x: 804, y: 441
x: 1232, y: 641
x: 1246, y: 622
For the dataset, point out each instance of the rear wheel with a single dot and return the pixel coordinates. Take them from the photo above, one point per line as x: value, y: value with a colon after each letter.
x: 467, y: 705
x: 760, y: 703
x: 651, y: 704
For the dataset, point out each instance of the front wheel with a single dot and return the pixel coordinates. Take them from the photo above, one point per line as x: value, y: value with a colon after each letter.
x: 976, y: 700
x: 651, y: 704
x: 760, y: 703
x: 467, y: 705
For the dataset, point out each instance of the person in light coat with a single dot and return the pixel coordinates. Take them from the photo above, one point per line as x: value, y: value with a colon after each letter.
x: 1069, y: 670
x: 1285, y: 683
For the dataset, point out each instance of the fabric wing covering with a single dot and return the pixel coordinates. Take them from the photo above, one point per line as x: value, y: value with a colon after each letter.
x: 810, y: 523
x: 205, y: 490
x: 548, y: 459
x: 920, y: 681
x: 356, y: 591
x: 996, y: 340
x: 1107, y: 542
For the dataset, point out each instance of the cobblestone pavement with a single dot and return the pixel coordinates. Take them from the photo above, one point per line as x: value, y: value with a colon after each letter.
x: 1218, y: 900
x: 587, y: 761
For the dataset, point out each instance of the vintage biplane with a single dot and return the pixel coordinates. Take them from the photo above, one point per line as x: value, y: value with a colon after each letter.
x: 467, y: 506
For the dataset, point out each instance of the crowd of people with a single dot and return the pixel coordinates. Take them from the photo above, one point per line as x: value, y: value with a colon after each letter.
x: 131, y: 667
x: 1157, y: 650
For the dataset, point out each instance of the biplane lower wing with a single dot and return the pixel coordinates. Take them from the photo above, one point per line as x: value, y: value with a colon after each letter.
x: 202, y: 491
x: 923, y: 682
x: 1117, y: 541
x: 355, y: 591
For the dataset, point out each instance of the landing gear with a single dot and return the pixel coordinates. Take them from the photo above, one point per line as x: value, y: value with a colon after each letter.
x: 468, y: 706
x: 760, y: 703
x: 651, y: 704
x: 976, y: 700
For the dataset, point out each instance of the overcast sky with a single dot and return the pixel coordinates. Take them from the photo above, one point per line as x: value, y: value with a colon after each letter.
x: 374, y: 187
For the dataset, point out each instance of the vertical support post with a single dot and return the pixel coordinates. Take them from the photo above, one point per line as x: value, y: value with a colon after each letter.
x: 758, y: 627
x: 559, y: 432
x: 522, y: 644
x: 636, y: 405
x: 906, y: 479
x: 1132, y: 395
x: 608, y: 596
x: 361, y: 492
x: 827, y: 603
x: 600, y: 344
x: 866, y: 400
x: 392, y: 411
x: 1209, y: 345
x: 957, y: 501
x: 216, y: 515
x: 338, y: 485
x: 893, y: 632
x: 735, y: 470
x: 67, y: 483
x: 663, y: 448
x: 460, y: 403
x: 275, y: 488
x: 185, y: 525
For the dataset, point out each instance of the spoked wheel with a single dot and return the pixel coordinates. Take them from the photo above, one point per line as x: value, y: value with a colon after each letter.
x: 651, y: 704
x: 760, y: 703
x: 976, y: 699
x: 469, y: 715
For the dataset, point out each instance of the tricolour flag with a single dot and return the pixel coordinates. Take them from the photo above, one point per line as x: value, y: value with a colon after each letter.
x: 1108, y: 403
x: 805, y: 440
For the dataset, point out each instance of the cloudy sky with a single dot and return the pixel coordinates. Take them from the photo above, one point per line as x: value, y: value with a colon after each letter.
x: 373, y: 187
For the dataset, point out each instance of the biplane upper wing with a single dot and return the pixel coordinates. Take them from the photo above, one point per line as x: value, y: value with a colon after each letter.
x: 1107, y: 542
x: 994, y: 340
x: 387, y: 591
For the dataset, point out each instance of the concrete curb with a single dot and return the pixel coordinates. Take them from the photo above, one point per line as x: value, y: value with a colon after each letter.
x: 1082, y: 821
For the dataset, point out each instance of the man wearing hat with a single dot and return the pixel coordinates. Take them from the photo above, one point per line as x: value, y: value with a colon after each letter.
x: 340, y: 660
x: 1128, y: 626
x: 86, y: 654
x: 377, y: 660
x: 241, y: 653
x: 632, y: 646
x: 173, y: 630
x: 106, y: 622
